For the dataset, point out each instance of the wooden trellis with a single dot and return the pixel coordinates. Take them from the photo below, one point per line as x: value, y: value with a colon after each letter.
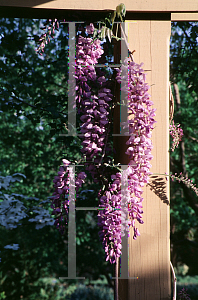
x: 149, y: 255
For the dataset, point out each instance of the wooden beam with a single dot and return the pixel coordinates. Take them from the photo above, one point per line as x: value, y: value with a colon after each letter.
x: 133, y: 6
x: 34, y: 9
x: 74, y: 15
x: 184, y: 17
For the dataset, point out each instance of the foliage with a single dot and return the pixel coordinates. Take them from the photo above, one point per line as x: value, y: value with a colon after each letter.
x: 190, y: 285
x: 183, y: 61
x: 2, y: 295
x: 176, y: 132
x: 184, y: 209
x: 183, y: 295
x: 33, y: 114
x: 97, y: 293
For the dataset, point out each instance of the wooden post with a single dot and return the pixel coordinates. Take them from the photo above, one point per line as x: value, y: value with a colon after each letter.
x: 150, y: 253
x: 119, y: 156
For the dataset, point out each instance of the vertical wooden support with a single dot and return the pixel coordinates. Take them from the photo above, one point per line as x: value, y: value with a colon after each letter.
x: 119, y: 143
x: 149, y: 255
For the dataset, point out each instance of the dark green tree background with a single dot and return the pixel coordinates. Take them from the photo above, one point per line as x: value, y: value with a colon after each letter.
x: 33, y: 114
x: 184, y: 202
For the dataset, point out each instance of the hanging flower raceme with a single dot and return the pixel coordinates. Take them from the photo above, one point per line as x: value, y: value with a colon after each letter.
x: 95, y: 130
x: 62, y: 186
x: 140, y: 123
x: 113, y: 218
x: 92, y: 103
x: 94, y: 115
x: 120, y: 202
x: 176, y: 132
x: 45, y: 37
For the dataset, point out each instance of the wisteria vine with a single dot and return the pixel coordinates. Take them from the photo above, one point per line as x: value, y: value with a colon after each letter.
x: 120, y: 205
x: 94, y: 99
x: 176, y: 132
x: 94, y: 103
x: 60, y: 196
x: 92, y: 106
x: 141, y: 121
x: 49, y: 28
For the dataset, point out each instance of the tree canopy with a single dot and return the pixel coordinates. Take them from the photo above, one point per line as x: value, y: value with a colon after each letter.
x: 33, y: 121
x: 184, y: 202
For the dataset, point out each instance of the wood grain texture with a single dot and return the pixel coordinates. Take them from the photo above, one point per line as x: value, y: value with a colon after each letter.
x: 184, y: 16
x: 135, y: 5
x: 149, y: 255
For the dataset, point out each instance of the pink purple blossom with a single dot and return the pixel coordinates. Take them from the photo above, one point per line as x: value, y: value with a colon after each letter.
x: 60, y: 200
x: 139, y: 151
x: 176, y: 132
x: 121, y: 204
x: 92, y: 105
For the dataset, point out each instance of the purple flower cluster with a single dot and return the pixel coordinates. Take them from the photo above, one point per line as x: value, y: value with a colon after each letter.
x: 120, y: 203
x: 45, y: 37
x: 93, y: 107
x: 183, y: 295
x: 109, y: 220
x: 188, y: 182
x: 60, y: 195
x: 141, y: 121
x: 176, y: 132
x: 92, y: 104
x: 90, y: 28
x: 140, y: 126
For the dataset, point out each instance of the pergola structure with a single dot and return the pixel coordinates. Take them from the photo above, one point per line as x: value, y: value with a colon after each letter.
x: 149, y: 255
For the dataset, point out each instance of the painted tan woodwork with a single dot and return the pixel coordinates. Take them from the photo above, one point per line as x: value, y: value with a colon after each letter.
x: 131, y: 5
x: 149, y: 255
x: 184, y: 17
